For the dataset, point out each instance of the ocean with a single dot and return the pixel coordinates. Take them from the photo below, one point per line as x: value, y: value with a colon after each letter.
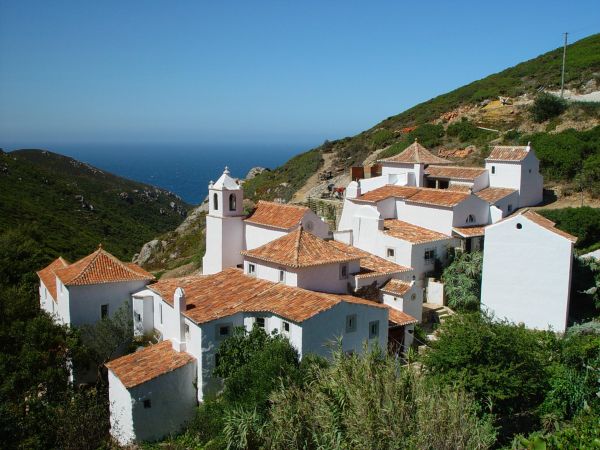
x: 184, y: 169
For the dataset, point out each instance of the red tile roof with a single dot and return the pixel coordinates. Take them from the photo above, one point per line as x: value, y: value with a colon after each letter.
x: 411, y: 233
x: 148, y: 363
x: 388, y: 191
x: 454, y: 172
x: 468, y: 232
x: 415, y: 153
x: 48, y: 275
x: 396, y: 287
x: 101, y: 267
x: 400, y: 318
x: 300, y: 249
x: 507, y: 153
x: 230, y: 292
x: 547, y: 224
x: 371, y: 265
x: 438, y: 197
x: 277, y: 215
x: 493, y: 194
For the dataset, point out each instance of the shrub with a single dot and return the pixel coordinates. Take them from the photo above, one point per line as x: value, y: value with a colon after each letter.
x: 462, y: 281
x: 547, y: 106
x: 582, y: 222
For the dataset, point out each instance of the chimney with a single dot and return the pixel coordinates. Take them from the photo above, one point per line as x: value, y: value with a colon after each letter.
x: 528, y: 147
x: 353, y: 190
x: 179, y: 306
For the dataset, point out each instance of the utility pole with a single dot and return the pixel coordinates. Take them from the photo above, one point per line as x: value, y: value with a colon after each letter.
x: 562, y: 78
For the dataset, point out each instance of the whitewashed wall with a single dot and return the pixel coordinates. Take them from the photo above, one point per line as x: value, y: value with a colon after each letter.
x: 411, y: 302
x: 472, y: 205
x: 257, y: 235
x: 143, y: 308
x: 526, y: 274
x: 85, y: 302
x: 321, y: 332
x: 532, y: 183
x: 327, y: 278
x: 224, y: 242
x: 46, y: 302
x: 507, y: 174
x: 437, y: 218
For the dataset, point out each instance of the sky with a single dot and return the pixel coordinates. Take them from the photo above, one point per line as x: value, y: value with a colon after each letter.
x: 133, y: 71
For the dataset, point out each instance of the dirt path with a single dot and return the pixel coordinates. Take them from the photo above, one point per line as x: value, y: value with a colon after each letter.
x: 302, y: 194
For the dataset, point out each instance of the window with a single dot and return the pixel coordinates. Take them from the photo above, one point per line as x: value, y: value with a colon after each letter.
x: 186, y: 329
x: 138, y: 317
x: 223, y: 330
x: 45, y: 293
x: 413, y: 297
x: 470, y: 218
x: 103, y: 311
x: 519, y: 226
x: 343, y: 271
x: 351, y: 323
x: 509, y: 207
x: 260, y: 322
x: 286, y: 326
x: 429, y: 256
x: 215, y: 202
x: 281, y: 276
x: 232, y: 202
x: 391, y: 253
x: 529, y: 170
x: 160, y: 312
x: 493, y: 169
x: 147, y: 404
x: 251, y: 269
x: 373, y: 329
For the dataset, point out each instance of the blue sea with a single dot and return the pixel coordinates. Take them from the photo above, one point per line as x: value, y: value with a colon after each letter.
x: 184, y: 169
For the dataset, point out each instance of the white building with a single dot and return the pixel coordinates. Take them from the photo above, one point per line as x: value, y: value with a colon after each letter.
x: 527, y: 271
x: 229, y: 231
x: 194, y: 314
x: 88, y: 290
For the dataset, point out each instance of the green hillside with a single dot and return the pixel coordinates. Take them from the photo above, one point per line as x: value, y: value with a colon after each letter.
x: 423, y: 120
x: 70, y: 207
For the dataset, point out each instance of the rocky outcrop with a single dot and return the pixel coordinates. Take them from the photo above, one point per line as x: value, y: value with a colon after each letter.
x: 253, y: 172
x: 149, y: 249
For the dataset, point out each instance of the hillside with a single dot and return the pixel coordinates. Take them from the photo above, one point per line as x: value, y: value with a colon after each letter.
x: 460, y: 125
x: 450, y: 121
x: 70, y: 207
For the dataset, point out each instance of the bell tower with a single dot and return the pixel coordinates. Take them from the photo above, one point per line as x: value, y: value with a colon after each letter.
x: 224, y: 225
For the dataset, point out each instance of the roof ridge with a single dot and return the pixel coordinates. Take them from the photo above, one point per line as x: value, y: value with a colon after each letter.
x: 297, y: 245
x: 84, y: 270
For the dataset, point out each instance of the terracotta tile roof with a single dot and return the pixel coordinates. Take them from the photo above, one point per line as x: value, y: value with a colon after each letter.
x: 459, y: 187
x: 411, y: 233
x: 101, y: 267
x: 396, y: 287
x: 468, y: 232
x: 547, y: 224
x: 371, y: 265
x: 415, y: 153
x: 277, y: 215
x: 455, y: 172
x: 148, y: 363
x: 400, y: 318
x: 230, y: 292
x: 48, y: 275
x: 438, y: 197
x: 388, y: 191
x: 300, y: 249
x: 493, y: 194
x: 507, y: 153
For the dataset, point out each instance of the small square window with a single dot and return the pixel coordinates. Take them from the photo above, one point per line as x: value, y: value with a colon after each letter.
x: 251, y: 269
x: 281, y: 276
x: 223, y: 330
x: 509, y: 208
x: 286, y: 327
x: 351, y: 323
x: 147, y: 404
x: 429, y: 256
x: 391, y: 253
x: 103, y: 311
x: 260, y: 322
x: 373, y: 329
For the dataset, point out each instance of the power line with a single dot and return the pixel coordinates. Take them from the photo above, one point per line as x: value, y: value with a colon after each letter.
x: 562, y: 78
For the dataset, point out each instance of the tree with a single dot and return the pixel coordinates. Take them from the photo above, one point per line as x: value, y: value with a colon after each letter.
x: 547, y: 106
x: 503, y: 365
x: 106, y: 339
x: 462, y: 281
x: 372, y: 402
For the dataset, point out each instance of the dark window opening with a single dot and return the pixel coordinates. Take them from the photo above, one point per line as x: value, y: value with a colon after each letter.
x: 216, y: 202
x: 351, y: 323
x: 373, y: 329
x: 232, y: 202
x: 104, y: 311
x: 147, y: 404
x: 493, y: 169
x: 260, y: 322
x: 519, y: 226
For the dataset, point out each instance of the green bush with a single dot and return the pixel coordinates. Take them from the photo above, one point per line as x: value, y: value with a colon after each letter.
x: 462, y: 281
x: 582, y: 222
x: 547, y: 106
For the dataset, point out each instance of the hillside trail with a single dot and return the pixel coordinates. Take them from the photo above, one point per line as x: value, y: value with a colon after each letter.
x: 301, y: 194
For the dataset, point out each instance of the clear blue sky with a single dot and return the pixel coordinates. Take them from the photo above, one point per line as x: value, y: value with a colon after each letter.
x: 256, y: 71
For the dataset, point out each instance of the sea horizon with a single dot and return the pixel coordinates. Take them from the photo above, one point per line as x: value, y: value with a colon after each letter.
x: 182, y: 168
